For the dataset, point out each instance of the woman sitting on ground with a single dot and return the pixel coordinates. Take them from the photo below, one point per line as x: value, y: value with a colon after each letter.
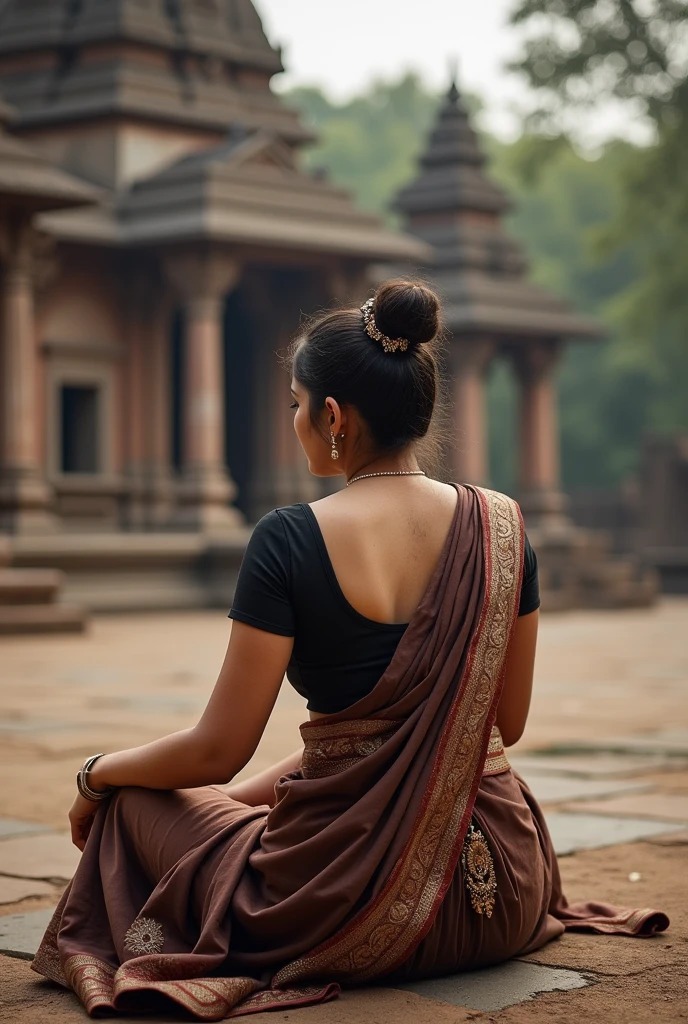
x: 397, y: 842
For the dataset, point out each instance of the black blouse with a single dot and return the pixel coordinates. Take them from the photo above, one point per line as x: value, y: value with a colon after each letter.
x: 287, y: 585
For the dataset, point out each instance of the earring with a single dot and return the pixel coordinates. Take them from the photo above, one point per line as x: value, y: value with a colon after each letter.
x: 334, y: 454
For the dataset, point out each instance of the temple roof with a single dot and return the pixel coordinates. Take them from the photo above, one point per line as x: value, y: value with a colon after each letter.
x: 27, y: 178
x: 190, y: 62
x: 248, y: 191
x: 451, y: 174
x: 480, y: 271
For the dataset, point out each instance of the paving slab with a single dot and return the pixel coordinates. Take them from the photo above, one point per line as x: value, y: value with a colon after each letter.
x: 497, y: 987
x: 664, y: 806
x: 13, y: 827
x: 571, y: 830
x: 48, y: 855
x: 558, y: 789
x: 14, y: 889
x: 20, y: 934
x: 590, y: 765
x: 666, y: 741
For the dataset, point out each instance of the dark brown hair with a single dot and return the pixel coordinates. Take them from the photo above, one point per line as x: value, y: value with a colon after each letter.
x: 395, y: 393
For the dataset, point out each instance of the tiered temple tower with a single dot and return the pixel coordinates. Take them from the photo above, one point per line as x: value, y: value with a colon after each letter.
x: 144, y: 412
x: 156, y: 339
x: 492, y: 309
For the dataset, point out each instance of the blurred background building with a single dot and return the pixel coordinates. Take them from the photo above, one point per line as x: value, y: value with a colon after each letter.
x: 160, y: 237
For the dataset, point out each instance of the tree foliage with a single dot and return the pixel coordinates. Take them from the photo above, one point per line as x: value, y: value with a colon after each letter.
x: 370, y: 143
x: 578, y: 51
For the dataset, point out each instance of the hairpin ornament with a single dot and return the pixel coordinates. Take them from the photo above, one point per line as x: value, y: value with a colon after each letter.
x: 374, y: 332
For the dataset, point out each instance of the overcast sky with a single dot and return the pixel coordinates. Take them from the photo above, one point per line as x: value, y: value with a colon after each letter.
x: 342, y: 46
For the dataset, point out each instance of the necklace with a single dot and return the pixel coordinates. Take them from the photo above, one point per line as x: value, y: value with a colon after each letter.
x: 388, y: 472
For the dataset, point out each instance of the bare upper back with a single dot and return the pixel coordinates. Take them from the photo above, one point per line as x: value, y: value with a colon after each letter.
x: 384, y: 538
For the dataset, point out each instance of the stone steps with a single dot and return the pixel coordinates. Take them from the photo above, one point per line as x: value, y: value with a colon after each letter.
x: 577, y: 570
x: 41, y: 618
x: 29, y: 586
x: 29, y: 602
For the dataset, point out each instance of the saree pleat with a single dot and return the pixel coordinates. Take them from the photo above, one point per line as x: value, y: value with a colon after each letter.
x: 355, y: 873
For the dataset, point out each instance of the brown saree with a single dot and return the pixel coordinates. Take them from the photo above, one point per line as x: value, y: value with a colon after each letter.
x: 355, y: 873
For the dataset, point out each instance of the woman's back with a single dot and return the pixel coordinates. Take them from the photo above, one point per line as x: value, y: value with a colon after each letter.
x: 344, y: 576
x: 384, y: 542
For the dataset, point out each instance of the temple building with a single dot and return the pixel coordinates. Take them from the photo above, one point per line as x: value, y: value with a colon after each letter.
x: 492, y: 310
x: 145, y: 411
x: 160, y: 242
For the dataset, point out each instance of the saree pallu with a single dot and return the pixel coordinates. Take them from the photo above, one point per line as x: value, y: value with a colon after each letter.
x: 354, y: 875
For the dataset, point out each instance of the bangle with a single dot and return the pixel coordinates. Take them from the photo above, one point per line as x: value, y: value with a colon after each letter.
x: 95, y: 795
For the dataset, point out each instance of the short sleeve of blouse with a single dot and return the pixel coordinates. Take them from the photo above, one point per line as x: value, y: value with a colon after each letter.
x: 530, y: 588
x: 262, y: 594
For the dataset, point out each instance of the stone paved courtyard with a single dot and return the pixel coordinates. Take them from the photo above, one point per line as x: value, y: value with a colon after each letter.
x: 605, y: 751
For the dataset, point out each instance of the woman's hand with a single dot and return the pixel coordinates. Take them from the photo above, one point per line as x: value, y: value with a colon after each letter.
x: 81, y: 818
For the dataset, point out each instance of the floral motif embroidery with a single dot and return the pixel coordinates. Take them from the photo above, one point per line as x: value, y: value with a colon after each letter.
x: 144, y: 936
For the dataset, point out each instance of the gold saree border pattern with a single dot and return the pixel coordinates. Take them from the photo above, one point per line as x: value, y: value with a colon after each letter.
x: 385, y: 932
x: 99, y: 986
x: 329, y: 750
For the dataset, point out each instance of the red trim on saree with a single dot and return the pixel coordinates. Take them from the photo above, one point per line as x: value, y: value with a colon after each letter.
x: 384, y: 933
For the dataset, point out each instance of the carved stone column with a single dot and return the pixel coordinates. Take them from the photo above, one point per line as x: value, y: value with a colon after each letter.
x: 202, y: 278
x: 539, y: 470
x: 25, y: 495
x: 147, y: 304
x: 468, y: 458
x: 160, y: 497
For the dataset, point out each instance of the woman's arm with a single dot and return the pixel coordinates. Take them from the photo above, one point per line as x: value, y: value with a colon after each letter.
x: 514, y: 703
x: 260, y: 788
x: 225, y: 738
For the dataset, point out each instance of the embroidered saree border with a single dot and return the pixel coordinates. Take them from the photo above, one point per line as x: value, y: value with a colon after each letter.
x: 384, y: 933
x: 329, y: 750
x: 99, y: 986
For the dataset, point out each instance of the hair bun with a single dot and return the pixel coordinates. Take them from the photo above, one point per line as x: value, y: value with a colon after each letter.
x: 407, y: 309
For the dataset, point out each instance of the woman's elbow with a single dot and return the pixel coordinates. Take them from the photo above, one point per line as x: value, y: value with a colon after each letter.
x: 218, y: 761
x: 511, y: 734
x: 511, y: 727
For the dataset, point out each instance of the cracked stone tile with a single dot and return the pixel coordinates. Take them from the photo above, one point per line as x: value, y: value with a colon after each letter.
x: 497, y: 987
x: 557, y: 789
x: 571, y: 830
x: 667, y: 741
x: 12, y: 827
x: 20, y: 934
x: 590, y: 765
x: 664, y: 806
x: 48, y: 855
x: 14, y: 889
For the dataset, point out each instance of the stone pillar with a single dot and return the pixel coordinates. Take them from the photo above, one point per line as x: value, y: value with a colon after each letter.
x: 25, y: 496
x: 135, y: 299
x: 469, y: 458
x: 539, y: 473
x: 158, y: 459
x: 147, y: 305
x: 203, y: 278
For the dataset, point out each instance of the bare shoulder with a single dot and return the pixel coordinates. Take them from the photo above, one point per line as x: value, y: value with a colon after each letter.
x: 420, y: 495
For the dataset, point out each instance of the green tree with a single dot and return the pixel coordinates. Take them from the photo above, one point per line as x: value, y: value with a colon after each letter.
x: 370, y: 143
x: 579, y: 52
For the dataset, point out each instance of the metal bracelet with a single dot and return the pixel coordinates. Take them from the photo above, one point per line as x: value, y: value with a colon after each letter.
x: 95, y: 795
